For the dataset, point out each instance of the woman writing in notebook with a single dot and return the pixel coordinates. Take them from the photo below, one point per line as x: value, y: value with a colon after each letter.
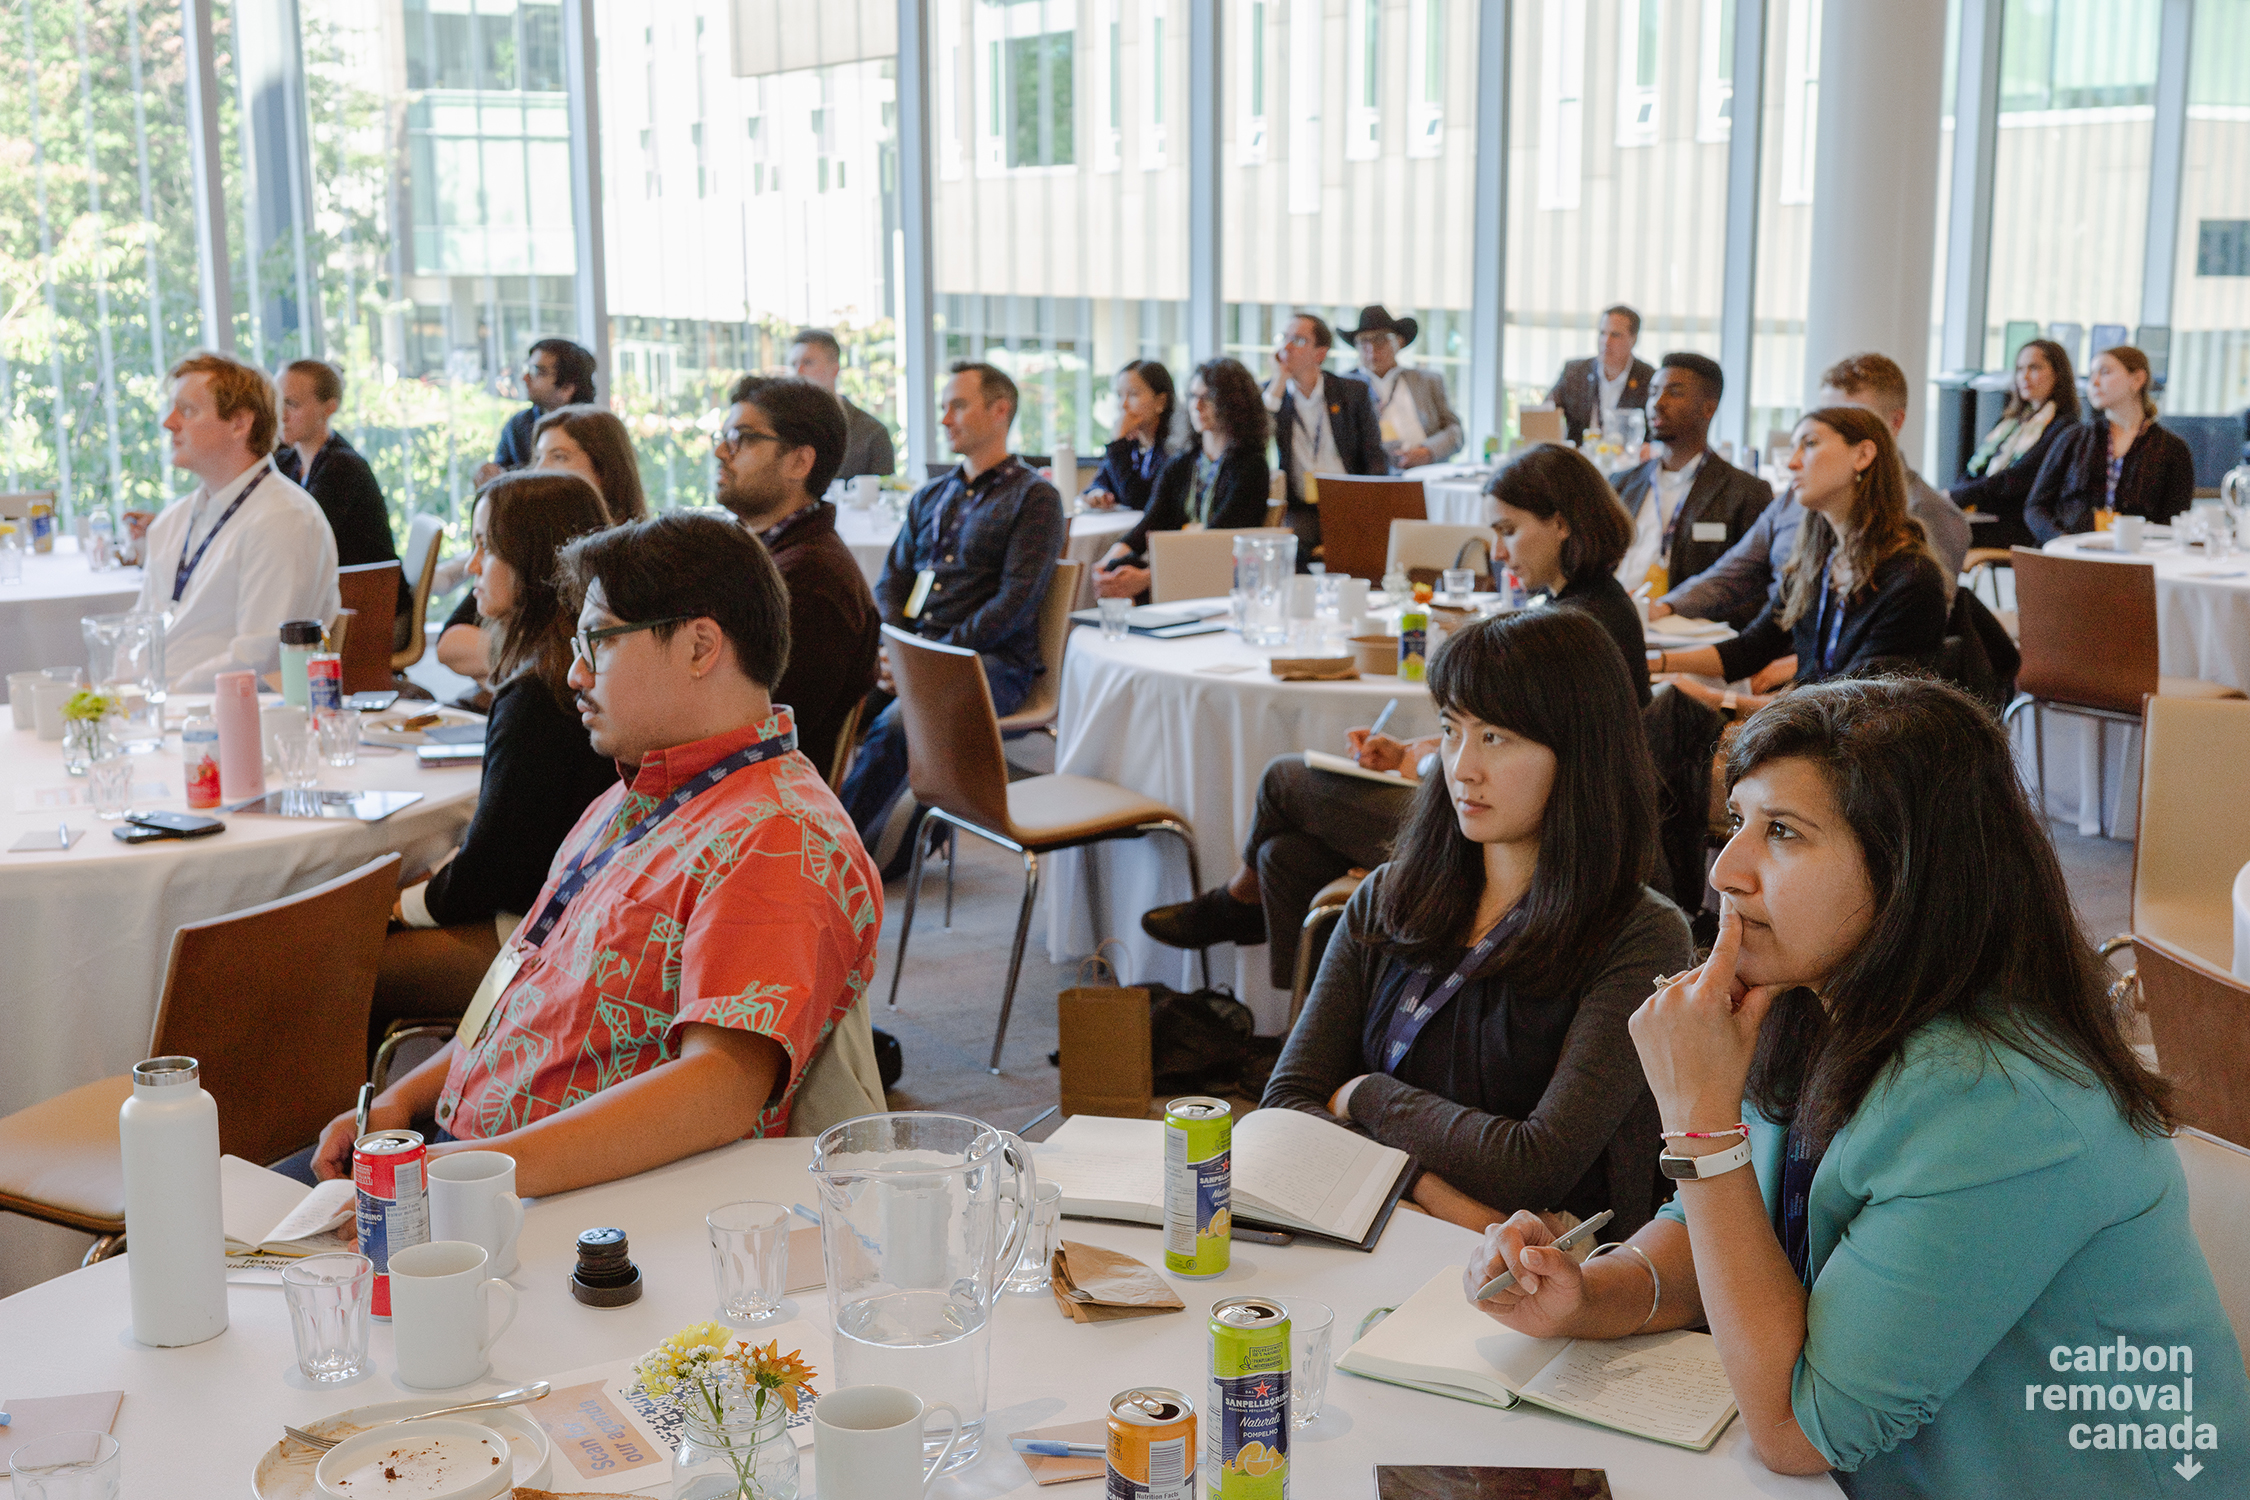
x: 1927, y: 1203
x: 1472, y: 1011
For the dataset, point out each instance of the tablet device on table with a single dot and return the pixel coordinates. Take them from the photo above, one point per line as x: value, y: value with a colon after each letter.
x: 335, y: 806
x: 451, y: 755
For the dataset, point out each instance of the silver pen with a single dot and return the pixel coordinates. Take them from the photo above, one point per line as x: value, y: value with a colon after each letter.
x: 1577, y: 1235
x: 62, y: 834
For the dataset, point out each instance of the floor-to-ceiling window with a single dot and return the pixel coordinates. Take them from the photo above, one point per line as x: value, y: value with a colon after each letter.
x: 2210, y: 353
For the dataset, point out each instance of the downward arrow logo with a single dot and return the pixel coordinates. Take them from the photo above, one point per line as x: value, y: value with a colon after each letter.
x: 2188, y: 1468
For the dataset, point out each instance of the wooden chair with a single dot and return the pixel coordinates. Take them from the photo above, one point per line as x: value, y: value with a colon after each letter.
x: 370, y: 592
x: 1196, y: 564
x: 1424, y: 549
x: 1312, y: 939
x: 1355, y: 521
x: 271, y: 1001
x: 847, y: 741
x: 17, y: 507
x: 2218, y: 1185
x: 2199, y: 1019
x: 954, y: 765
x: 423, y: 537
x: 2088, y: 631
x: 1037, y: 711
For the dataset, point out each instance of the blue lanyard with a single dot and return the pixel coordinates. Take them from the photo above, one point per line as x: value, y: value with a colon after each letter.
x: 1828, y: 630
x: 1414, y: 1012
x: 1320, y: 426
x: 187, y: 566
x: 586, y: 867
x: 1206, y: 479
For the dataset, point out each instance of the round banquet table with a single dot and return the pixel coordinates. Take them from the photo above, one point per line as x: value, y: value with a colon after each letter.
x: 1453, y: 494
x: 195, y: 1420
x: 39, y: 616
x: 2242, y: 924
x: 869, y: 534
x: 2202, y: 630
x: 85, y: 935
x: 1192, y: 723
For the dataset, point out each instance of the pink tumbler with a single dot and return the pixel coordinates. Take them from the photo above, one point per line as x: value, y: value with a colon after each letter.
x: 242, y: 760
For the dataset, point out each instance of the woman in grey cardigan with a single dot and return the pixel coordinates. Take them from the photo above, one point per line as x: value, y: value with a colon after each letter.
x: 1473, y: 1011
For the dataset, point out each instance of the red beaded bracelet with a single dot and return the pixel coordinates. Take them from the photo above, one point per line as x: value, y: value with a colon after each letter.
x: 1737, y: 1128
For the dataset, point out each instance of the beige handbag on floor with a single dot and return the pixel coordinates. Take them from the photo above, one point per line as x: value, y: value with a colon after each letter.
x: 842, y: 1081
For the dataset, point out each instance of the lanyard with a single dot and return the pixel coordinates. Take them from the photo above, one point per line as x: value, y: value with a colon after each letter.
x: 1206, y: 479
x: 587, y: 866
x: 1414, y: 1012
x: 1320, y: 419
x: 186, y: 569
x: 1829, y: 631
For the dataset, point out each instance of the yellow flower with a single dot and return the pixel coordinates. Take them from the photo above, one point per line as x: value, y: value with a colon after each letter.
x: 686, y: 1355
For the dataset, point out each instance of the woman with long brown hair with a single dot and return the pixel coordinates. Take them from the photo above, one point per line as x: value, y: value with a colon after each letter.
x: 539, y: 770
x: 2120, y: 459
x: 1861, y: 590
x: 2042, y: 407
x: 594, y: 445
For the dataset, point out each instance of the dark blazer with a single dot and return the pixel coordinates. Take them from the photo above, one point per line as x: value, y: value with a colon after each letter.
x: 1577, y: 392
x: 1899, y: 618
x: 867, y: 450
x: 1722, y: 495
x: 833, y: 628
x: 1121, y: 473
x: 2003, y: 494
x: 1238, y: 496
x: 539, y: 774
x: 1359, y: 440
x: 346, y: 490
x: 2158, y: 479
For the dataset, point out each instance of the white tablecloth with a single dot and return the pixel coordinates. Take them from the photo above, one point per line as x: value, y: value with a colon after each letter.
x: 84, y: 936
x: 1453, y: 494
x: 869, y: 534
x: 195, y: 1420
x: 1149, y: 715
x: 2202, y: 630
x: 2242, y: 924
x: 39, y: 616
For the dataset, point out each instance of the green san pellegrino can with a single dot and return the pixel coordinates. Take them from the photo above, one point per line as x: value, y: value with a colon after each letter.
x: 1198, y: 1192
x: 1246, y: 1413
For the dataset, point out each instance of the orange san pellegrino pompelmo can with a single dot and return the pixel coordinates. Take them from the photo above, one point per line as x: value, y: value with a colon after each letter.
x: 1151, y: 1445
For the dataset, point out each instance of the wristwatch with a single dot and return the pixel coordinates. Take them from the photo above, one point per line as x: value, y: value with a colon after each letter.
x: 1704, y: 1168
x: 1728, y: 702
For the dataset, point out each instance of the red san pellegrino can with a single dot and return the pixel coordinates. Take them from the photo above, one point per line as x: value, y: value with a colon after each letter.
x: 324, y: 681
x: 388, y: 1169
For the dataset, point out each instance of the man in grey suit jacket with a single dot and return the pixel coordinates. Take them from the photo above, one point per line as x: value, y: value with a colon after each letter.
x: 1876, y: 382
x: 1688, y: 504
x: 1415, y: 421
x: 1610, y: 382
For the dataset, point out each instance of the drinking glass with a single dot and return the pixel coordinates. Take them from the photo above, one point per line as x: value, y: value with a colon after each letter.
x: 1114, y: 611
x: 67, y: 1466
x: 1309, y: 1325
x: 1034, y: 1268
x: 296, y: 754
x: 750, y: 1259
x: 338, y: 729
x: 1457, y: 583
x: 11, y: 554
x: 328, y: 1312
x: 109, y: 781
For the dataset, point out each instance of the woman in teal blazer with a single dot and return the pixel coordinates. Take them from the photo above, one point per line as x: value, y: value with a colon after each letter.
x: 1961, y: 1262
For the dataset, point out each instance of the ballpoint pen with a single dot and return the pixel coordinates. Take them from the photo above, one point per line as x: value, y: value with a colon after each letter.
x: 1044, y: 1448
x: 366, y: 1103
x: 1382, y: 718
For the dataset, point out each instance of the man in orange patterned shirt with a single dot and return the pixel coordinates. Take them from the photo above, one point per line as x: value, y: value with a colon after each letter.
x: 706, y: 925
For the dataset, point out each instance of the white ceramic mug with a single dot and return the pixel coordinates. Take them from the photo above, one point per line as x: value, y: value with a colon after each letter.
x: 473, y: 1198
x: 2130, y: 532
x: 20, y: 686
x: 441, y: 1308
x: 47, y: 700
x: 867, y: 1442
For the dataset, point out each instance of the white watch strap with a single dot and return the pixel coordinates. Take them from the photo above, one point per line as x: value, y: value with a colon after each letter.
x: 1718, y: 1163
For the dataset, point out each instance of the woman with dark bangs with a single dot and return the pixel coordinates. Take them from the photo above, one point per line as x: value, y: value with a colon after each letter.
x: 1472, y: 1011
x: 1961, y: 1262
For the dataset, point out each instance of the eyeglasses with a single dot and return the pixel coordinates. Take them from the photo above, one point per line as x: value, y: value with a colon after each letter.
x: 728, y: 439
x: 583, y: 642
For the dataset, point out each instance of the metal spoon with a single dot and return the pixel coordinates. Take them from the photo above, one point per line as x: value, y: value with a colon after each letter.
x: 517, y: 1397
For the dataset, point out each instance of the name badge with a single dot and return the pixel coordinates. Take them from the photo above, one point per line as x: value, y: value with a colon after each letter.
x: 496, y: 980
x: 924, y: 581
x: 1706, y: 531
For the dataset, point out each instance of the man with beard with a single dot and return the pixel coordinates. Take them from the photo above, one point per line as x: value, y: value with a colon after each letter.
x: 778, y: 448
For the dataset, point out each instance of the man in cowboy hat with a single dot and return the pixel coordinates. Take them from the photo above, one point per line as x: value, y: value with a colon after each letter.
x: 1323, y: 423
x: 1417, y: 423
x: 1609, y: 382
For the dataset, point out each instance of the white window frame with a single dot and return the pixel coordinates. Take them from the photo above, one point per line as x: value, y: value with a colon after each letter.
x: 993, y: 27
x: 1714, y: 94
x: 1562, y: 102
x: 1800, y: 101
x: 952, y: 157
x: 1637, y: 103
x: 1425, y: 112
x: 1257, y: 104
x: 1156, y: 131
x: 1109, y: 87
x: 1307, y: 22
x: 1363, y: 121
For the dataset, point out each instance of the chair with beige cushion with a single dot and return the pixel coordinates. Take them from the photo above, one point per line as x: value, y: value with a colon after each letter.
x: 420, y: 560
x: 17, y: 505
x: 271, y: 1001
x: 1037, y: 711
x: 2088, y: 632
x: 954, y: 765
x: 1424, y: 549
x: 2194, y: 824
x: 2199, y: 1019
x: 1196, y: 564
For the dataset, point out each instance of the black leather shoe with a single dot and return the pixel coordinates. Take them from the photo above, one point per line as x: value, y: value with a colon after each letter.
x: 1213, y: 917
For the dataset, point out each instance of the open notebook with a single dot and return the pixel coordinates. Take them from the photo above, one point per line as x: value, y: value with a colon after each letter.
x: 266, y: 1213
x: 1666, y: 1386
x: 1344, y: 765
x: 1291, y: 1171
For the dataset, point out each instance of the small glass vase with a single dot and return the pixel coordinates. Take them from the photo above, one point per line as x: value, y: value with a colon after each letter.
x: 84, y: 742
x: 744, y: 1457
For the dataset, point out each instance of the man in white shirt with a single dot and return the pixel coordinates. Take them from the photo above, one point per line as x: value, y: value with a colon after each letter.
x: 1591, y: 392
x: 1688, y: 504
x: 1324, y: 423
x: 248, y: 549
x: 1416, y: 422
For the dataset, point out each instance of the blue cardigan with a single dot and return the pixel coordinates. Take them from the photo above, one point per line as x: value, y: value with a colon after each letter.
x: 1994, y: 1252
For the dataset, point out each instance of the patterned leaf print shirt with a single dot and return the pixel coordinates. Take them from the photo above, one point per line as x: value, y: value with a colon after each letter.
x: 752, y: 906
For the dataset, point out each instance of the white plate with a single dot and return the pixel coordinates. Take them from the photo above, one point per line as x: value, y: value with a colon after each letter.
x: 383, y: 728
x: 285, y: 1471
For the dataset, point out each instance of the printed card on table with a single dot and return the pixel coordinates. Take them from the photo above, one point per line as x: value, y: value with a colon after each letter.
x: 607, y: 1432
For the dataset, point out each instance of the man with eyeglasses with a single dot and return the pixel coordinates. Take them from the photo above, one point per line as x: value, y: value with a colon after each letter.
x: 777, y: 448
x: 707, y: 932
x: 556, y: 373
x: 1323, y: 423
x: 969, y: 567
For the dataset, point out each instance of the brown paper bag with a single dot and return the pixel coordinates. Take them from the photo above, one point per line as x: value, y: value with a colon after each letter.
x: 1093, y: 1285
x: 1106, y: 1049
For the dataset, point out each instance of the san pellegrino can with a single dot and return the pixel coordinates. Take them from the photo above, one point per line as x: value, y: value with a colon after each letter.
x: 1151, y: 1445
x: 1198, y: 1191
x: 1246, y: 1414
